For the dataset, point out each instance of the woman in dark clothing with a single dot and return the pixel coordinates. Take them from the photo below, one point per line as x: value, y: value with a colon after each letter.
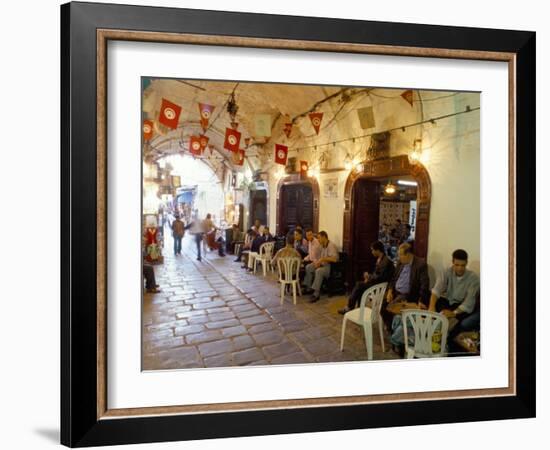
x: 383, y: 272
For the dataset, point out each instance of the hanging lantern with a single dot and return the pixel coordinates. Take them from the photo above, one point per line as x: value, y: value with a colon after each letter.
x: 414, y: 156
x: 390, y: 188
x: 348, y: 163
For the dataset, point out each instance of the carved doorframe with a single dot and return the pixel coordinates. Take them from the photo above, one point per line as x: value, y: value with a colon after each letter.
x: 298, y: 179
x: 391, y: 167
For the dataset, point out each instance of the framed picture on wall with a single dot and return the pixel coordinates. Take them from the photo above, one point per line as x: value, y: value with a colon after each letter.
x: 224, y: 337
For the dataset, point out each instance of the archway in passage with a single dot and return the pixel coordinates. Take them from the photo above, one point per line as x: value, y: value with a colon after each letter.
x: 361, y: 197
x: 201, y: 190
x: 297, y: 203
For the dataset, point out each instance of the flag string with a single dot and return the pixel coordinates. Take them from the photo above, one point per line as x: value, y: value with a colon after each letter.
x: 402, y: 127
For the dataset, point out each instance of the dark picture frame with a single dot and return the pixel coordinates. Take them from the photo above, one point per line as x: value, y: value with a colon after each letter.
x: 85, y: 29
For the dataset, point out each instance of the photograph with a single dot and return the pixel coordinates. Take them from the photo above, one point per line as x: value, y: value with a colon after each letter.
x: 246, y: 264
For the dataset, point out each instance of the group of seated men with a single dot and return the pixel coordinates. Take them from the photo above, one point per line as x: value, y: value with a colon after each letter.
x: 316, y: 251
x: 455, y: 294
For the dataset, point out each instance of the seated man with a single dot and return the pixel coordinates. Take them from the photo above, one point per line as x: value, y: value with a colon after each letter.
x: 455, y: 294
x: 317, y: 271
x: 255, y: 248
x: 288, y: 251
x: 300, y: 244
x: 408, y: 289
x: 313, y: 247
x: 151, y: 285
x: 383, y: 272
x: 248, y: 238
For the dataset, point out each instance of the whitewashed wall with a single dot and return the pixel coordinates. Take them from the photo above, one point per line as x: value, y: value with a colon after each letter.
x: 451, y: 154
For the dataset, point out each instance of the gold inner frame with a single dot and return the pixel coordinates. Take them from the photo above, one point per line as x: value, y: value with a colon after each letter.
x: 104, y: 35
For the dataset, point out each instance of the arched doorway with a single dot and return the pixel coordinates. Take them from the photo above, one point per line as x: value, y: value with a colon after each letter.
x: 358, y: 231
x: 297, y: 203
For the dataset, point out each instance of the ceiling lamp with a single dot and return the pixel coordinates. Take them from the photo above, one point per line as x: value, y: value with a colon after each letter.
x: 390, y: 188
x: 416, y: 153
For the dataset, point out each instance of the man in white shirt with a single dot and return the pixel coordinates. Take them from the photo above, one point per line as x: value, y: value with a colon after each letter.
x: 317, y: 271
x: 313, y: 247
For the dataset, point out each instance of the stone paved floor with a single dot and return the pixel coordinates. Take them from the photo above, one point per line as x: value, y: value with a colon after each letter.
x: 215, y: 314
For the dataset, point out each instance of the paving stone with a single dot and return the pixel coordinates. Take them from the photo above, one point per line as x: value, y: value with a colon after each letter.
x: 198, y: 319
x: 184, y: 355
x: 280, y: 349
x: 243, y: 342
x: 210, y: 304
x: 205, y: 336
x: 157, y: 334
x: 247, y: 356
x: 321, y: 346
x: 319, y: 332
x: 160, y: 344
x: 223, y: 360
x: 254, y: 320
x: 216, y: 317
x: 244, y: 307
x: 189, y: 329
x: 222, y: 324
x: 255, y: 329
x: 216, y: 347
x: 249, y: 313
x: 192, y: 313
x: 233, y: 331
x: 194, y: 301
x: 268, y: 337
x: 296, y: 325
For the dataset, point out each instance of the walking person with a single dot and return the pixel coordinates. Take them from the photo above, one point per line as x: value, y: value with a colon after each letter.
x: 196, y: 229
x: 178, y: 230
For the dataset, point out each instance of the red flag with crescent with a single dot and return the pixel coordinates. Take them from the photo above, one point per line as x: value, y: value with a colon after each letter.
x: 316, y: 119
x: 206, y: 113
x: 408, y: 96
x: 304, y: 166
x: 204, y: 141
x: 281, y: 152
x: 288, y: 129
x: 232, y: 140
x: 147, y: 129
x: 169, y: 114
x: 195, y: 146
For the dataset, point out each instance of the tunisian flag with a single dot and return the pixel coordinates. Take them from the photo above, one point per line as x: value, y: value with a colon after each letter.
x: 281, y: 152
x: 204, y: 141
x: 304, y: 166
x: 316, y: 119
x: 147, y: 129
x: 232, y: 140
x: 408, y: 96
x: 206, y: 112
x: 169, y: 114
x: 195, y: 146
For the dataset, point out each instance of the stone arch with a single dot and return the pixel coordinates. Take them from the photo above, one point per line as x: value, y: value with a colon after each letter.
x: 391, y: 167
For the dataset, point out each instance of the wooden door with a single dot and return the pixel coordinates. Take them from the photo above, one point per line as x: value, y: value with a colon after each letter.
x: 258, y: 207
x: 366, y: 215
x: 296, y: 207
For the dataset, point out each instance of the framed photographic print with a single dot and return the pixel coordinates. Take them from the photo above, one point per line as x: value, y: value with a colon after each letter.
x: 209, y: 290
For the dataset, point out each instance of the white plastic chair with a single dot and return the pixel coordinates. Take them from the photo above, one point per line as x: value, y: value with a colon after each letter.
x: 366, y: 316
x: 424, y: 324
x: 289, y: 274
x: 264, y: 255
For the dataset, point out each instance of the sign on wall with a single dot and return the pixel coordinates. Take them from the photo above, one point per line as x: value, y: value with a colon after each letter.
x: 331, y: 188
